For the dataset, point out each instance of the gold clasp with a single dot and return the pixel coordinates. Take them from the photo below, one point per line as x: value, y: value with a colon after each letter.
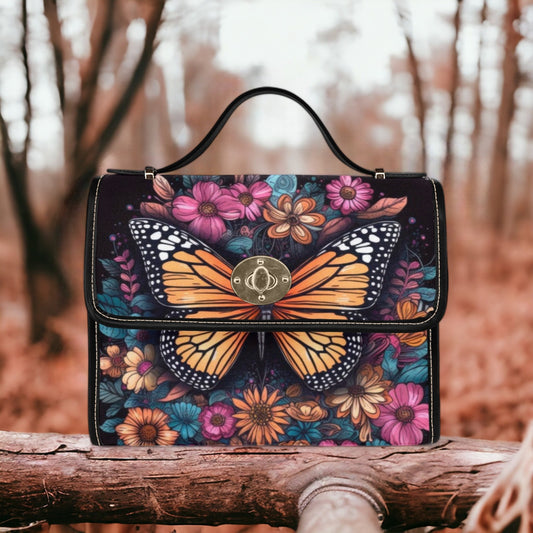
x: 261, y: 280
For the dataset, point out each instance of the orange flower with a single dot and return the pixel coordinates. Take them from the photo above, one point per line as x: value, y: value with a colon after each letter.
x: 259, y: 417
x: 113, y: 365
x: 146, y: 427
x: 293, y: 219
x: 362, y: 397
x: 308, y: 411
x: 408, y: 310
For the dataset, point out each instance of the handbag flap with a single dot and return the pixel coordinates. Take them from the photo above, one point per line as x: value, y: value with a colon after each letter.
x: 270, y: 252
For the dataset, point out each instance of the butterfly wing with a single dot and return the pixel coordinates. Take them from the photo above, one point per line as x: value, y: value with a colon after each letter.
x: 320, y: 359
x: 345, y: 277
x: 187, y: 275
x: 201, y: 358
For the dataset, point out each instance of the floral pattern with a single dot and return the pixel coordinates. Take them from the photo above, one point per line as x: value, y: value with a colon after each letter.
x: 217, y: 421
x: 293, y: 219
x: 146, y: 427
x: 250, y: 200
x: 260, y: 416
x: 385, y: 400
x: 349, y: 194
x: 404, y: 418
x: 362, y: 398
x: 141, y: 369
x: 206, y: 210
x: 113, y: 364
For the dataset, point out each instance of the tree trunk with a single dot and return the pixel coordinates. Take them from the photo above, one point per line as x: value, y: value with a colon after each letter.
x: 47, y: 287
x: 85, y: 158
x: 454, y: 85
x: 472, y: 185
x: 498, y: 185
x: 418, y: 92
x: 63, y: 479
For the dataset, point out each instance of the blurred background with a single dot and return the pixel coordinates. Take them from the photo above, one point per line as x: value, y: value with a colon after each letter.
x: 442, y: 86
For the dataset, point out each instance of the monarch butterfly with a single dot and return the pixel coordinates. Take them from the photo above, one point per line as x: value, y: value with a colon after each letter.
x: 188, y: 276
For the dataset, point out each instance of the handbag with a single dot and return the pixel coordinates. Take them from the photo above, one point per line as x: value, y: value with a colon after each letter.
x: 272, y: 309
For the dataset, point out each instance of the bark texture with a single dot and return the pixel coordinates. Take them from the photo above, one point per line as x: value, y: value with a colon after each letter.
x: 64, y: 479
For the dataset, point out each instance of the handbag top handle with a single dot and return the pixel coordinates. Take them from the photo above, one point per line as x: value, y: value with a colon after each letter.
x: 149, y: 172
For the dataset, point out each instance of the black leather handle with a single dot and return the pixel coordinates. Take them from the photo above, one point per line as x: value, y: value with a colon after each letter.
x: 203, y: 145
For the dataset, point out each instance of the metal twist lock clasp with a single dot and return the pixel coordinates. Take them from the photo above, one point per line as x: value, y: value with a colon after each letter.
x: 261, y: 280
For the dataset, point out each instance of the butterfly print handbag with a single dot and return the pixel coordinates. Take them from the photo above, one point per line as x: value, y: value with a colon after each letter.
x: 264, y: 309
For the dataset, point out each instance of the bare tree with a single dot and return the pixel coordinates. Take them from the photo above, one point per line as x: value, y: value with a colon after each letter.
x: 418, y: 91
x: 454, y: 85
x: 472, y: 184
x: 498, y: 184
x: 86, y: 138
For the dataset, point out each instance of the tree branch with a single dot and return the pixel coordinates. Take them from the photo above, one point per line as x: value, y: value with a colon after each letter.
x: 418, y: 91
x: 100, y: 38
x: 86, y: 165
x: 447, y: 165
x: 63, y: 479
x: 109, y: 128
x: 473, y: 164
x: 56, y: 38
x: 23, y: 159
x: 499, y: 172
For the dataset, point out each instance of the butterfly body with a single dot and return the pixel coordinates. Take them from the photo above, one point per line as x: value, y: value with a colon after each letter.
x: 186, y: 275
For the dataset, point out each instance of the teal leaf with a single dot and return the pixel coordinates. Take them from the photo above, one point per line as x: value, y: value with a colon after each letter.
x: 427, y: 294
x: 190, y: 181
x: 418, y: 353
x: 136, y: 400
x: 111, y: 267
x: 112, y: 305
x: 389, y: 364
x: 217, y: 396
x: 332, y: 213
x: 416, y: 372
x: 111, y: 287
x: 113, y: 409
x: 239, y: 245
x: 348, y: 431
x: 429, y: 272
x: 110, y: 424
x: 144, y: 302
x: 112, y: 333
x: 111, y: 391
x: 314, y: 191
x: 160, y: 392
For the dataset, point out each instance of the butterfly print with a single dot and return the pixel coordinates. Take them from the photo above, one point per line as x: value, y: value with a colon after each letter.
x: 188, y: 276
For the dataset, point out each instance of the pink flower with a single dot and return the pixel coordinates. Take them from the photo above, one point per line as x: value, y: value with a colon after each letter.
x: 217, y: 421
x: 249, y: 200
x: 349, y: 194
x: 403, y: 420
x: 206, y: 210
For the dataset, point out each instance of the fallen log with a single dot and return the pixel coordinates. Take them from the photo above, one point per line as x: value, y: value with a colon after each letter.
x: 64, y: 479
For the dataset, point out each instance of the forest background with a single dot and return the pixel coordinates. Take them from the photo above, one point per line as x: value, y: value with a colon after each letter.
x: 442, y: 86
